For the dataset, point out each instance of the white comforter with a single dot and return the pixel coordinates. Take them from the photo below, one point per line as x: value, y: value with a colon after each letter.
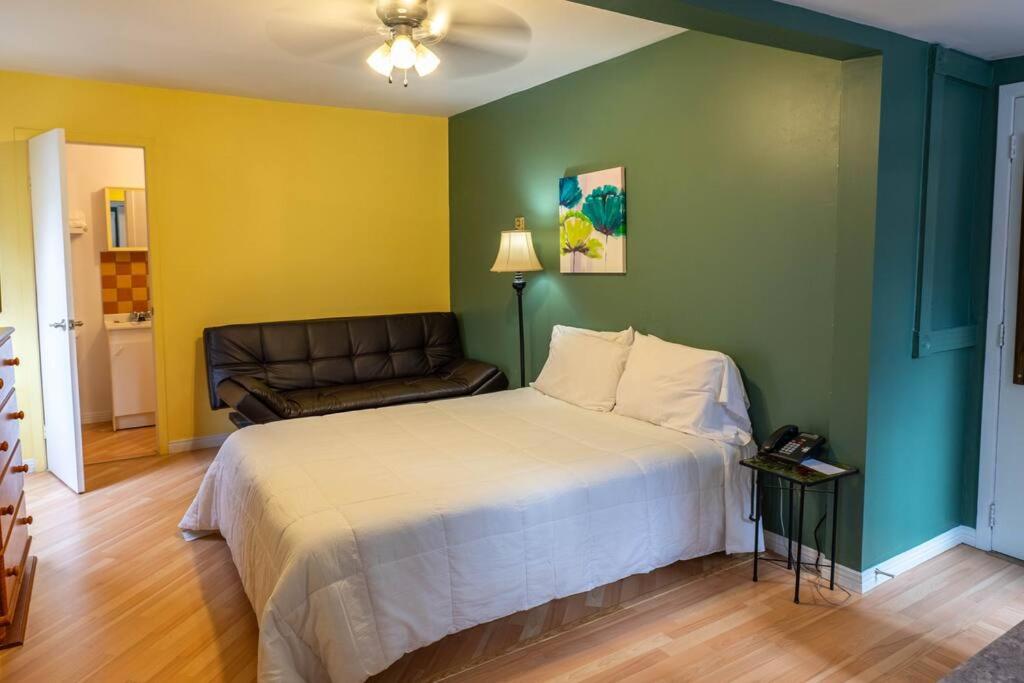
x: 361, y: 536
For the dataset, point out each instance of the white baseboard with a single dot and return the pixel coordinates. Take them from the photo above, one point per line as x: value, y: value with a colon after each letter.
x: 863, y: 581
x: 96, y: 416
x: 849, y: 579
x: 919, y: 554
x: 196, y: 443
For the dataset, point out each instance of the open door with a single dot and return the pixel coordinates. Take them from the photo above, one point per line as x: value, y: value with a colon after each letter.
x: 55, y: 306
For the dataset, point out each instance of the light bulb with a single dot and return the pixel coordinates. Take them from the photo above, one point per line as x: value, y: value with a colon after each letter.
x: 403, y: 52
x: 380, y: 60
x: 426, y: 61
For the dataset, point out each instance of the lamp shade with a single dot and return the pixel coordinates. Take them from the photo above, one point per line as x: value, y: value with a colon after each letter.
x: 516, y: 253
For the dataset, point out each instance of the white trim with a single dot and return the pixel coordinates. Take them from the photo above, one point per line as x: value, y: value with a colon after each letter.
x: 917, y: 555
x: 196, y: 443
x: 866, y: 579
x: 1001, y: 196
x: 845, y: 577
x: 95, y: 417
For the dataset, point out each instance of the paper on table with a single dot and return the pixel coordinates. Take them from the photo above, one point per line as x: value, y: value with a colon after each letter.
x: 822, y: 467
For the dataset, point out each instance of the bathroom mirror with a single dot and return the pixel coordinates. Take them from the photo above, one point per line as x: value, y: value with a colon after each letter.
x: 127, y: 228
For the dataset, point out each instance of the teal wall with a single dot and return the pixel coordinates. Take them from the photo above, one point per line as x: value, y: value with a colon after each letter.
x: 1009, y: 70
x: 731, y: 152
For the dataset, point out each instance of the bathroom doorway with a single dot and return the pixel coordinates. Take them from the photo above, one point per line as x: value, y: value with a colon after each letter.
x: 112, y: 295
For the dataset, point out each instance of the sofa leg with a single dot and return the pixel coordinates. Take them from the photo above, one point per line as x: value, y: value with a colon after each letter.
x: 239, y: 420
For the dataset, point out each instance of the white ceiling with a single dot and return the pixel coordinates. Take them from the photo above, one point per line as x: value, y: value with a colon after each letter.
x: 991, y: 29
x: 239, y: 47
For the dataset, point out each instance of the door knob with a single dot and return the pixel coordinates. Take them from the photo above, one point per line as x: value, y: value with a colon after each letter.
x: 12, y: 361
x: 19, y: 468
x: 20, y: 415
x: 60, y: 325
x: 72, y: 324
x: 9, y: 510
x: 13, y: 571
x: 25, y: 520
x: 4, y: 446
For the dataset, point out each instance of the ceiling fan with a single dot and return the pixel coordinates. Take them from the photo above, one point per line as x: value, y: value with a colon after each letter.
x: 471, y: 37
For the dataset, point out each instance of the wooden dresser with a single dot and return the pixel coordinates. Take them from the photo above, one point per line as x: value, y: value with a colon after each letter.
x: 17, y: 568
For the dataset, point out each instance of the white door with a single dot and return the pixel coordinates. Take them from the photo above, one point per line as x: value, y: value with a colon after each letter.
x: 54, y: 303
x: 1008, y: 509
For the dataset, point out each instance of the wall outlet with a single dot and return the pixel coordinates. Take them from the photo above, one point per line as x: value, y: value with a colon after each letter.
x: 31, y: 465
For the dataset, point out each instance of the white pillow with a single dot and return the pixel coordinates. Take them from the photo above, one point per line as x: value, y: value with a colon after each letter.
x: 689, y: 390
x: 583, y: 369
x: 624, y: 337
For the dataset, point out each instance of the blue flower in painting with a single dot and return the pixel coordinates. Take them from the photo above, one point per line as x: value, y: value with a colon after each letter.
x: 569, y: 192
x: 606, y: 209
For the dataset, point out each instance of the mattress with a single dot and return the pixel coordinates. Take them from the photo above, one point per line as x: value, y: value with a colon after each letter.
x: 362, y: 536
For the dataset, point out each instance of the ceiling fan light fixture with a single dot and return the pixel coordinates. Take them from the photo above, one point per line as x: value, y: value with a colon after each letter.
x: 380, y: 60
x: 426, y: 61
x: 403, y: 52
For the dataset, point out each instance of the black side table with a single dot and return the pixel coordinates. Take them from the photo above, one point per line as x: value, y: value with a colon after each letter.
x: 804, y: 477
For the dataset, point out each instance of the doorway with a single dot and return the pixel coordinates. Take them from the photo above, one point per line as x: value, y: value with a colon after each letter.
x: 1001, y: 472
x: 91, y: 228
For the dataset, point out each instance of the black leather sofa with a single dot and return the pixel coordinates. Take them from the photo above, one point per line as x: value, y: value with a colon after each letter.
x: 283, y: 370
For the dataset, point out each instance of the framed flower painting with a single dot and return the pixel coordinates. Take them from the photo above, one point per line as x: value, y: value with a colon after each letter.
x: 592, y: 222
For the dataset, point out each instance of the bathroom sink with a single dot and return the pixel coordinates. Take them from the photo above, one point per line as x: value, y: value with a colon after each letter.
x: 112, y: 322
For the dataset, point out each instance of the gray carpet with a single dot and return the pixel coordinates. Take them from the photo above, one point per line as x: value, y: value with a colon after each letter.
x: 1001, y: 662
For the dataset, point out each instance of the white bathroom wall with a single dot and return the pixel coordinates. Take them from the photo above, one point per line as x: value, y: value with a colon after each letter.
x: 90, y: 169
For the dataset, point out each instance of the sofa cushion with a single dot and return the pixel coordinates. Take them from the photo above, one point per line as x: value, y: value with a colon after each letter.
x: 256, y: 399
x: 311, y: 354
x: 387, y: 392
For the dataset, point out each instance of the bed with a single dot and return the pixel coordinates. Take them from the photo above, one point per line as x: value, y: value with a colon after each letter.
x: 362, y: 536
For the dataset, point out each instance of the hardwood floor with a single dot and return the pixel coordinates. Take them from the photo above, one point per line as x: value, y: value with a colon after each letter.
x: 119, y: 596
x: 100, y: 443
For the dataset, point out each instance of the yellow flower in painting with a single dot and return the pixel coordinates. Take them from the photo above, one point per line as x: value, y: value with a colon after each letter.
x: 575, y: 236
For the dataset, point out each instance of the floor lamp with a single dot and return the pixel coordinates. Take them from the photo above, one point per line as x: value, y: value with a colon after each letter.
x: 516, y: 255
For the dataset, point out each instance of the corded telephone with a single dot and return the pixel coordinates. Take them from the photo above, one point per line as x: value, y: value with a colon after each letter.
x: 788, y: 443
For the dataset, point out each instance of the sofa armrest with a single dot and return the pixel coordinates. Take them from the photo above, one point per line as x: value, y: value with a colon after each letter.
x: 478, y: 377
x: 253, y: 398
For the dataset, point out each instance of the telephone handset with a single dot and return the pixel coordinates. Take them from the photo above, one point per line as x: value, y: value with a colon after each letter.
x: 788, y: 443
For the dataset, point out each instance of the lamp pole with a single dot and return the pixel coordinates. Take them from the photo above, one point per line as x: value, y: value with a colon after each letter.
x: 519, y: 284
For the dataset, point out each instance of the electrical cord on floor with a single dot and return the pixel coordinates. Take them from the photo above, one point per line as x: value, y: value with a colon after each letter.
x: 819, y: 580
x: 782, y: 524
x: 816, y: 579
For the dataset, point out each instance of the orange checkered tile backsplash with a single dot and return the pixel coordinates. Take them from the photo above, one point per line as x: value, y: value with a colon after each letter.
x: 125, y: 276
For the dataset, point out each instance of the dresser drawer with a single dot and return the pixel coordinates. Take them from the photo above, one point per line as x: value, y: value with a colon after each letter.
x: 12, y: 481
x: 13, y: 565
x: 9, y: 424
x: 7, y: 363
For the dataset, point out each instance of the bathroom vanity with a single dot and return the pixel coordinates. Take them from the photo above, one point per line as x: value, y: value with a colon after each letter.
x: 132, y: 374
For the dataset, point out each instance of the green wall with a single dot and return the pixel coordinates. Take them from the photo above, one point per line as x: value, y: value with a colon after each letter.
x: 858, y: 169
x: 731, y: 152
x: 920, y: 431
x: 911, y: 423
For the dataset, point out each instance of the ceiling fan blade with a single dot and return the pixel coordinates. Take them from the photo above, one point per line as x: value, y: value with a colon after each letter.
x: 464, y: 58
x: 517, y: 30
x: 319, y: 30
x: 304, y: 39
x: 484, y: 19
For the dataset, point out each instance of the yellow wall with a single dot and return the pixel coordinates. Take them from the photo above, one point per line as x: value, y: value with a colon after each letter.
x: 258, y: 211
